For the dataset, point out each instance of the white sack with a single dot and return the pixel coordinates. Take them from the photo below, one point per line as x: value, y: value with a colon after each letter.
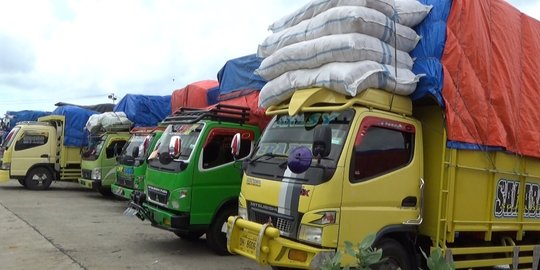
x: 411, y: 12
x: 342, y: 20
x: 334, y: 48
x: 99, y: 122
x: 346, y: 78
x: 316, y: 7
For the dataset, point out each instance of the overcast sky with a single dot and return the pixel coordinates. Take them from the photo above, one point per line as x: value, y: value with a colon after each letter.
x: 80, y: 51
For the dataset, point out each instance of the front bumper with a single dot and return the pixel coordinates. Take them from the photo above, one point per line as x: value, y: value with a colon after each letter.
x: 122, y: 192
x: 159, y: 217
x: 4, y: 176
x: 264, y: 244
x: 90, y: 184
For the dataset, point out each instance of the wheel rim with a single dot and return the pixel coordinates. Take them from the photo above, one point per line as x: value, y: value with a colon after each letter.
x: 39, y: 179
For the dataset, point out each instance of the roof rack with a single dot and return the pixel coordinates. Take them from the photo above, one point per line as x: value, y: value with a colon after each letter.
x: 220, y: 112
x: 146, y: 130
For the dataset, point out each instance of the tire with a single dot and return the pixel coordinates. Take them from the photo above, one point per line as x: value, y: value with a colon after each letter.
x: 190, y: 236
x: 396, y: 256
x: 21, y: 181
x: 217, y: 240
x: 39, y: 178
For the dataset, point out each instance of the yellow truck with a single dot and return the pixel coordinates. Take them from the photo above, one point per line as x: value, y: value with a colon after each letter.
x: 34, y: 153
x: 330, y: 169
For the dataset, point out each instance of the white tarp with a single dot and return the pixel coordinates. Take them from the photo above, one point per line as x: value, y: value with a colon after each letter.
x: 333, y: 48
x: 346, y: 78
x: 316, y: 7
x: 342, y: 20
x: 107, y: 120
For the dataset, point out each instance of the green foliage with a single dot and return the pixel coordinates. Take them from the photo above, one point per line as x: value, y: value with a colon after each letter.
x: 364, y: 254
x: 436, y: 260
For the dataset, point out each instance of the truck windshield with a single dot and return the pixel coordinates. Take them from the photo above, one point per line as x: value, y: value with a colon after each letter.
x: 91, y: 152
x: 10, y: 138
x: 285, y: 133
x: 126, y: 158
x: 189, y: 133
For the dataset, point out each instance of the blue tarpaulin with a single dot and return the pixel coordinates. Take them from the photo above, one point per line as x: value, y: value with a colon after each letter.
x: 237, y: 75
x: 19, y: 116
x: 76, y: 118
x: 143, y: 110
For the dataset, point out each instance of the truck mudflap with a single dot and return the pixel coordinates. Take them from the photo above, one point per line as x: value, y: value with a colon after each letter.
x: 263, y: 243
x: 4, y: 176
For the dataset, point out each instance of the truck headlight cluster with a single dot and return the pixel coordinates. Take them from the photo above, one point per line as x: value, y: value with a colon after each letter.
x: 310, y: 234
x: 96, y: 174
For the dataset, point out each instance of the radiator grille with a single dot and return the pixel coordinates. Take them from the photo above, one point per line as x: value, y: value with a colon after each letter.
x: 158, y: 195
x: 86, y: 174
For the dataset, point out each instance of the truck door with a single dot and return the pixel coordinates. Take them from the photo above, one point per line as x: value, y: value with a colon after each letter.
x: 218, y: 176
x: 113, y: 149
x: 382, y: 190
x: 33, y: 146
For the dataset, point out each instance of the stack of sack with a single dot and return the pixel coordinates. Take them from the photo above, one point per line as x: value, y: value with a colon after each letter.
x: 344, y: 45
x: 104, y: 121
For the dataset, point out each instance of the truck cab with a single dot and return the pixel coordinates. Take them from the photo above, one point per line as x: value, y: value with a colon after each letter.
x: 193, y: 180
x: 99, y: 160
x: 35, y: 155
x: 302, y: 196
x: 132, y: 164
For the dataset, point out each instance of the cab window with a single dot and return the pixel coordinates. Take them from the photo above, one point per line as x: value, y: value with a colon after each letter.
x: 115, y: 148
x: 31, y: 139
x: 381, y: 146
x: 217, y: 150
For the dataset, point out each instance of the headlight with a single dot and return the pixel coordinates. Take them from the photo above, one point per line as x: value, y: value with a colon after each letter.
x: 5, y: 166
x: 96, y: 174
x: 242, y: 212
x: 310, y: 234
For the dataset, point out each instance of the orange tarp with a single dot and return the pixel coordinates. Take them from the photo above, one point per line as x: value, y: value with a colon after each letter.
x: 492, y: 76
x: 193, y: 95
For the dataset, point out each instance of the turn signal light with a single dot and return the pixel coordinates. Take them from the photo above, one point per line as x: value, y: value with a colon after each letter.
x: 297, y: 255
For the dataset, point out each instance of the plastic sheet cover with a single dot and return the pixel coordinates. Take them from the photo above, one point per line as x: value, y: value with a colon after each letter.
x: 26, y: 115
x: 143, y: 110
x: 76, y: 118
x: 487, y: 77
x: 193, y: 95
x: 238, y: 74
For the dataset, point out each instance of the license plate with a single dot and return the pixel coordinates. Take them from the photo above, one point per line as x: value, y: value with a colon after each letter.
x: 248, y: 242
x: 86, y: 184
x: 119, y: 191
x: 131, y: 212
x: 128, y: 170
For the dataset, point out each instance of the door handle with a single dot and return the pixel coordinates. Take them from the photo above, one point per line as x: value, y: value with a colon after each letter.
x: 44, y: 156
x: 410, y: 201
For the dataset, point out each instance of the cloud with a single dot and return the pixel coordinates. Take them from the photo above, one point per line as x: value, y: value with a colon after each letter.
x: 16, y: 55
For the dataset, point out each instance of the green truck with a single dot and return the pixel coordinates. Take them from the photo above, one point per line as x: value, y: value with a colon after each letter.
x: 99, y: 160
x: 131, y: 167
x: 193, y: 180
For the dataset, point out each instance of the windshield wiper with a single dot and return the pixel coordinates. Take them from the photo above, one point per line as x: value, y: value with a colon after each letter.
x: 269, y: 155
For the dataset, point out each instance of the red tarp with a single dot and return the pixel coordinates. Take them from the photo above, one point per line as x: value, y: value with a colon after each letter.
x: 492, y: 76
x: 193, y: 95
x: 251, y: 100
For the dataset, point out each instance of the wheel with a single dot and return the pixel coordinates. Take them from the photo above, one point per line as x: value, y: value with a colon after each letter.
x: 396, y: 256
x: 105, y: 191
x: 21, y: 181
x: 216, y: 239
x: 39, y: 178
x: 190, y: 236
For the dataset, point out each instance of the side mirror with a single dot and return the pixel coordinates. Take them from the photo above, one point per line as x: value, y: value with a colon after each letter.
x: 322, y: 141
x: 175, y: 147
x: 235, y: 145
